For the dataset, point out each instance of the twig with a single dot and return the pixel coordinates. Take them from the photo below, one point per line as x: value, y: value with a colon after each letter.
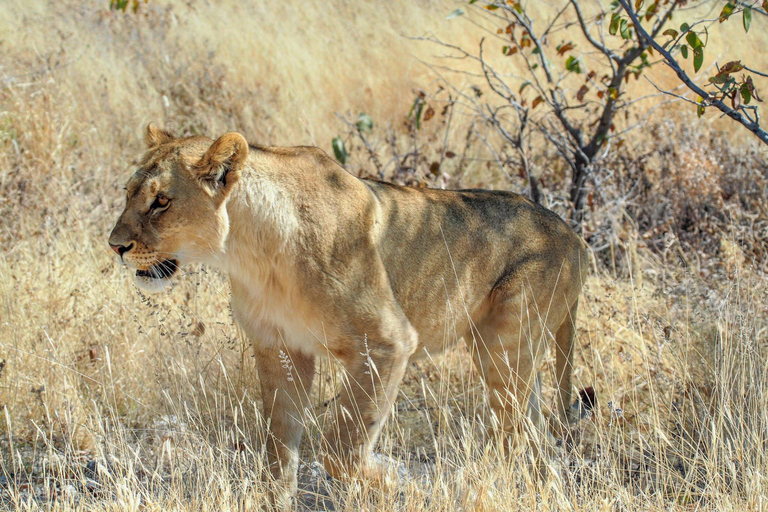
x: 371, y: 152
x: 552, y: 23
x: 451, y: 104
x: 493, y: 152
x: 585, y: 30
x: 670, y: 93
x: 756, y: 72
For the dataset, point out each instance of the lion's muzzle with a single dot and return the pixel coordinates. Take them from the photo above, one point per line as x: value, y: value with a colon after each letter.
x: 162, y: 270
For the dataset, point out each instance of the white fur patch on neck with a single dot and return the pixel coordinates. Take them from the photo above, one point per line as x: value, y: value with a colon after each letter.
x: 263, y: 204
x: 152, y: 285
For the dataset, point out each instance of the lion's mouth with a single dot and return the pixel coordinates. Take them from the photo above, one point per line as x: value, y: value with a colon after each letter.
x: 162, y: 270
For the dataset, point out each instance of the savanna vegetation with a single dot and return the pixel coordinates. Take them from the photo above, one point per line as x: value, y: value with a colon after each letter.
x: 116, y: 400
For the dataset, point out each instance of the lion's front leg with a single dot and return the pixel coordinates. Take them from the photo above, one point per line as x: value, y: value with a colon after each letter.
x: 286, y: 379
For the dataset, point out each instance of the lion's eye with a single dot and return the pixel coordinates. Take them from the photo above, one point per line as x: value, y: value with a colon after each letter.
x: 160, y: 202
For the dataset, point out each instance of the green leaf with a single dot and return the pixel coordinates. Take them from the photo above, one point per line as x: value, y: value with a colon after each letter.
x: 693, y: 40
x: 685, y: 28
x: 572, y: 64
x: 747, y: 19
x: 536, y: 51
x: 698, y: 58
x: 509, y: 50
x: 719, y: 79
x: 364, y: 122
x: 615, y: 20
x: 339, y: 150
x: 672, y: 32
x: 765, y: 5
x: 472, y: 1
x: 419, y: 109
x: 491, y: 7
x: 726, y: 12
x: 684, y: 51
x: 455, y: 14
x: 624, y: 29
x: 651, y: 10
x: 700, y: 110
x: 746, y: 94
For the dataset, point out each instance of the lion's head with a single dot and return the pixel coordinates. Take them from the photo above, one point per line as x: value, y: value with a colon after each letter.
x: 175, y: 208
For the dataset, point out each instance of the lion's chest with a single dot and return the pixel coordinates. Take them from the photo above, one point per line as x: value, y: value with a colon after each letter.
x: 273, y: 313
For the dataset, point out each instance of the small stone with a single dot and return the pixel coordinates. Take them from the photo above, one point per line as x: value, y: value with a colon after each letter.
x: 69, y: 490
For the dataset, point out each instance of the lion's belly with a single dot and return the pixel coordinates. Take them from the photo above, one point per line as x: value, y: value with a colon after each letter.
x: 442, y: 318
x: 437, y: 337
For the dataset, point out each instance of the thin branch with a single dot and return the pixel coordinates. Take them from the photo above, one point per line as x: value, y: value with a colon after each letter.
x: 755, y: 8
x: 552, y: 23
x: 527, y: 26
x: 670, y: 93
x: 672, y: 63
x: 451, y: 104
x: 489, y: 72
x: 756, y: 72
x: 371, y: 152
x: 594, y: 42
x: 661, y: 20
x: 641, y: 120
x: 493, y: 152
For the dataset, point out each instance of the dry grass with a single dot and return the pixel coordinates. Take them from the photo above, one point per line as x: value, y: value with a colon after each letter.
x: 112, y: 400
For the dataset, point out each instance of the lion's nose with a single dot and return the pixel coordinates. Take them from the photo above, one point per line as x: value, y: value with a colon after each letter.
x: 121, y: 249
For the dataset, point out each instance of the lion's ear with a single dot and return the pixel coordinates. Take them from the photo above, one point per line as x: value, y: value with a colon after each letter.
x: 156, y: 136
x: 220, y: 167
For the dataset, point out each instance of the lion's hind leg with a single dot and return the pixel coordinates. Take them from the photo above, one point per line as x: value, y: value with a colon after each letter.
x: 374, y: 369
x: 509, y: 369
x: 508, y: 346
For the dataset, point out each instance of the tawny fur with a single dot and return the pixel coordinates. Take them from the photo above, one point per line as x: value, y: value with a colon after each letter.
x: 374, y: 275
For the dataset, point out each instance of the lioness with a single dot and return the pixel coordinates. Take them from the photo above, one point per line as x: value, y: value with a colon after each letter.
x: 375, y: 275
